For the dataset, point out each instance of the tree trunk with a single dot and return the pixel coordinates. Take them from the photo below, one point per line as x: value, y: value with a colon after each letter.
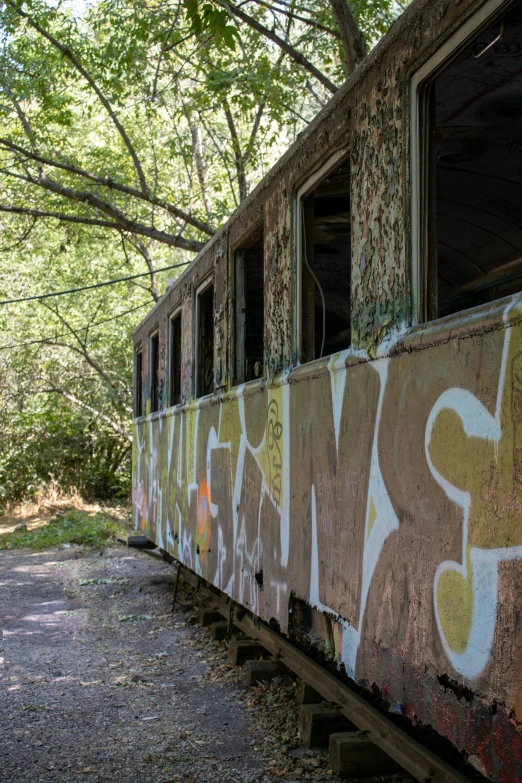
x: 354, y: 46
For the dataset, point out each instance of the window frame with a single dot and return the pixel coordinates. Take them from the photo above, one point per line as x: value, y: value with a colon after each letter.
x: 248, y: 240
x: 308, y: 185
x: 138, y: 381
x: 173, y: 315
x: 419, y: 84
x: 199, y: 290
x: 152, y: 336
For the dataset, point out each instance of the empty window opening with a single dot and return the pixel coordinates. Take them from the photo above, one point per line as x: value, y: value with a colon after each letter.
x: 138, y: 384
x: 154, y: 373
x: 250, y: 308
x: 205, y: 345
x: 473, y: 209
x: 175, y: 360
x: 325, y: 265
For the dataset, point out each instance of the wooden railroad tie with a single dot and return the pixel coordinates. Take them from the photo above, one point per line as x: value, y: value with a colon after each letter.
x: 263, y: 671
x: 306, y: 694
x: 351, y: 753
x: 220, y: 631
x: 372, y: 726
x: 140, y: 542
x: 318, y: 721
x: 209, y: 617
x: 242, y: 650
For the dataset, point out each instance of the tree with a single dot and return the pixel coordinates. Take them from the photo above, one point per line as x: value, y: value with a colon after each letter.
x: 92, y: 103
x: 130, y: 133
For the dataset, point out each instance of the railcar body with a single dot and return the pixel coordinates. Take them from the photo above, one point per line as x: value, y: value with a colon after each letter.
x: 329, y: 399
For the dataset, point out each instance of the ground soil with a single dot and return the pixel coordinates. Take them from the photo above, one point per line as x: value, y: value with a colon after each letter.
x: 102, y: 682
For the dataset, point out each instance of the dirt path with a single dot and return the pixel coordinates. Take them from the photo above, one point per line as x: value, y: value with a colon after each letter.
x: 102, y: 683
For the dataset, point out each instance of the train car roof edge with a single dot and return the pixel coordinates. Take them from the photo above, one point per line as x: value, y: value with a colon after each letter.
x: 396, y: 30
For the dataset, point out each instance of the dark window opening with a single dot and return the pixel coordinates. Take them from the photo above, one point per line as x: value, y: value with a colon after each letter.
x: 138, y: 384
x: 175, y: 360
x: 154, y: 373
x: 474, y: 172
x: 205, y: 355
x: 325, y: 266
x: 250, y: 308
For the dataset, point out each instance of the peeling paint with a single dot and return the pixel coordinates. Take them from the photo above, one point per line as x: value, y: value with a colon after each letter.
x: 376, y: 491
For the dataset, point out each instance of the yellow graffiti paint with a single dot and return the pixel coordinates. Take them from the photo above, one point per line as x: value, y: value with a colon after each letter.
x: 230, y: 430
x: 372, y: 516
x: 455, y: 606
x: 271, y: 454
x: 490, y: 472
x: 204, y: 524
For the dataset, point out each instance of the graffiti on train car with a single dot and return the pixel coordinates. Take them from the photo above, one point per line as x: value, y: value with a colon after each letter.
x: 386, y: 494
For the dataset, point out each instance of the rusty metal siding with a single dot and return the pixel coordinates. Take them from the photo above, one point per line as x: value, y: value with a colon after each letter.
x: 354, y: 486
x: 380, y: 290
x: 222, y: 300
x: 279, y: 275
x: 369, y: 115
x: 380, y: 486
x: 187, y: 342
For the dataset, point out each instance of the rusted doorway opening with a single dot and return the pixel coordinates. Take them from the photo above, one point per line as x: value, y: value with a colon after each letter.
x: 249, y: 307
x: 473, y: 172
x: 205, y: 340
x: 325, y: 265
x: 175, y: 359
x: 154, y: 372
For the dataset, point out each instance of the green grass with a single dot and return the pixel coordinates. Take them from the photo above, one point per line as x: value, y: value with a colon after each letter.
x: 76, y: 527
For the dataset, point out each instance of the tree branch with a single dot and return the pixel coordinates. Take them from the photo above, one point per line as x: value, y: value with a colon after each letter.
x: 112, y: 185
x: 354, y: 47
x: 21, y: 115
x: 21, y: 239
x: 293, y: 53
x: 84, y: 353
x: 221, y: 155
x: 310, y: 22
x: 69, y: 55
x: 131, y: 226
x: 99, y: 415
x: 200, y: 165
x: 255, y: 130
x: 140, y: 247
x: 240, y: 168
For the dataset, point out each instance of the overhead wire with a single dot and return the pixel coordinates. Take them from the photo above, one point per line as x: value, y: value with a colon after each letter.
x: 48, y: 340
x: 89, y: 287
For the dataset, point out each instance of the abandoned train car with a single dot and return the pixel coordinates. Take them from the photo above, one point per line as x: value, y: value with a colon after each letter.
x: 329, y: 399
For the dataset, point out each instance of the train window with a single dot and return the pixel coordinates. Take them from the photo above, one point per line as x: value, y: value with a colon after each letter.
x: 205, y: 339
x: 154, y: 372
x: 249, y: 307
x: 175, y: 359
x: 138, y: 383
x: 325, y: 261
x: 473, y: 172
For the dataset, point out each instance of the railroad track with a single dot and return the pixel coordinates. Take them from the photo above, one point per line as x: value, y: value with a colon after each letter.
x: 352, y: 751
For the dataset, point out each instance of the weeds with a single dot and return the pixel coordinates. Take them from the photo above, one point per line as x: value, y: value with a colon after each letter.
x: 76, y: 527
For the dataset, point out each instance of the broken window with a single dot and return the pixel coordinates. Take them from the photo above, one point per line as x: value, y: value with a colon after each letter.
x: 250, y: 307
x: 473, y: 172
x: 138, y: 383
x: 205, y: 341
x: 154, y: 372
x: 325, y: 261
x: 175, y: 360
